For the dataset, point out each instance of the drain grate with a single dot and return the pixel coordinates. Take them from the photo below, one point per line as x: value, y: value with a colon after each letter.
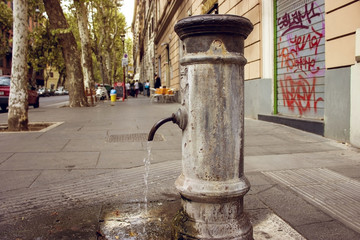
x: 133, y: 137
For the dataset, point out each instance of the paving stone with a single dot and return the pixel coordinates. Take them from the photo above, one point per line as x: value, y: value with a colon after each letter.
x: 53, y: 160
x: 81, y: 171
x: 22, y: 179
x: 290, y: 207
x: 327, y: 230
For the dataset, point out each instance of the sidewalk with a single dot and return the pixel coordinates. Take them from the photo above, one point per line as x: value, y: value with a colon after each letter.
x: 84, y: 179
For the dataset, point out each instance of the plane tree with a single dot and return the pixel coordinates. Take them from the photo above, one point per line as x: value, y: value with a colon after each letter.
x: 71, y: 54
x: 18, y: 105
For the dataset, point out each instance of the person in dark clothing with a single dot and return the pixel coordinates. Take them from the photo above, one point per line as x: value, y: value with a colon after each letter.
x: 157, y: 81
x: 132, y: 88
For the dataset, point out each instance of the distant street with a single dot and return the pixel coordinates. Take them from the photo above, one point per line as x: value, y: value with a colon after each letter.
x: 53, y: 101
x: 50, y: 102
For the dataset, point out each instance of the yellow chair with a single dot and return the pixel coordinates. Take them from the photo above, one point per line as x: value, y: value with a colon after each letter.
x: 170, y: 95
x: 156, y: 94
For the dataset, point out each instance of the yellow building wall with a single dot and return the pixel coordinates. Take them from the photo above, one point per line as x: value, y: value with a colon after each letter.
x: 53, y: 79
x: 341, y: 21
x: 250, y: 9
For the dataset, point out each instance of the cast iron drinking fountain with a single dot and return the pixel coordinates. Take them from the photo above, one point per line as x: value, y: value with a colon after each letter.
x: 212, y: 184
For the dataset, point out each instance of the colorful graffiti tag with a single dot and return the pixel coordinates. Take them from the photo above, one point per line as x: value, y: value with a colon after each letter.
x: 300, y: 93
x: 296, y: 20
x: 300, y: 59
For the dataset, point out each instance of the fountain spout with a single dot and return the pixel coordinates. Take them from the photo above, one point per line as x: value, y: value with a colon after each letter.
x: 180, y: 118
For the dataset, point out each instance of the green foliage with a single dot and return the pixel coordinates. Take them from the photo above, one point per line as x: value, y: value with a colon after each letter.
x: 129, y: 47
x: 6, y: 20
x: 44, y: 48
x: 107, y: 25
x: 73, y: 26
x: 35, y: 9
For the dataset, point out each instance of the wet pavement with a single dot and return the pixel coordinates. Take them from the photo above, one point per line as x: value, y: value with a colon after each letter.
x: 84, y: 178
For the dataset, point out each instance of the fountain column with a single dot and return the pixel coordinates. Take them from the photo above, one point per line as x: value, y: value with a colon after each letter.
x: 212, y: 184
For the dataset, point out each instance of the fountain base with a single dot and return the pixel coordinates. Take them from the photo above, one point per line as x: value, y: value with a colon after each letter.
x: 212, y: 221
x: 167, y: 220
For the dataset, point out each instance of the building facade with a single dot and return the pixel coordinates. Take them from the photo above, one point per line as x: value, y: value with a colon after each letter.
x: 303, y: 64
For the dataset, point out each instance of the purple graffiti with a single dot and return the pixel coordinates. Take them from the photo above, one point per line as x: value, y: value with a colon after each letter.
x: 296, y: 20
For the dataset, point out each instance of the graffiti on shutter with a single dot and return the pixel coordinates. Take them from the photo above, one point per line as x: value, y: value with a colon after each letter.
x: 301, y: 58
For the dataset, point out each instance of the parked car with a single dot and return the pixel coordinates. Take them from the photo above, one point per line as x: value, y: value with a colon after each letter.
x: 43, y: 92
x: 33, y: 97
x: 101, y: 93
x: 60, y: 91
x: 106, y: 86
x: 51, y: 92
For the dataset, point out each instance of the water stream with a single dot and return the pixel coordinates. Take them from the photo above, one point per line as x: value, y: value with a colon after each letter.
x: 147, y: 161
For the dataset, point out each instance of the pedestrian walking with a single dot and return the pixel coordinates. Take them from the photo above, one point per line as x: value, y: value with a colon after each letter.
x: 136, y: 86
x: 132, y: 88
x: 147, y: 88
x: 127, y: 87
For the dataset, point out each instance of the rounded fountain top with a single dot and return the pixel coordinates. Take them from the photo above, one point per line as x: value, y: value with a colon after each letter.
x: 213, y: 24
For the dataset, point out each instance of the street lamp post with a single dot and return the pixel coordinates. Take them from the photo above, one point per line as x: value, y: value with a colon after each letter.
x: 124, y: 89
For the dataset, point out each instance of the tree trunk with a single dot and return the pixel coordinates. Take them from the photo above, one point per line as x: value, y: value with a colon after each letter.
x: 63, y: 79
x: 33, y: 78
x: 102, y: 53
x: 58, y: 84
x: 115, y: 66
x: 108, y: 66
x: 71, y: 54
x: 87, y: 65
x: 18, y: 99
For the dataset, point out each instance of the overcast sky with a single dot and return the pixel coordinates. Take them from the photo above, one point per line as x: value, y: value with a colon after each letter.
x: 128, y: 10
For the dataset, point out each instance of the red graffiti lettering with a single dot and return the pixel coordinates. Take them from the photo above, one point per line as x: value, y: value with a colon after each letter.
x: 299, y: 94
x: 293, y: 63
x: 311, y: 40
x: 295, y: 20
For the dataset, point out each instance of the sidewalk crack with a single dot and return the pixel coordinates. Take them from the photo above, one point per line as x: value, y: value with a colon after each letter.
x: 65, y: 145
x: 7, y: 158
x: 32, y: 183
